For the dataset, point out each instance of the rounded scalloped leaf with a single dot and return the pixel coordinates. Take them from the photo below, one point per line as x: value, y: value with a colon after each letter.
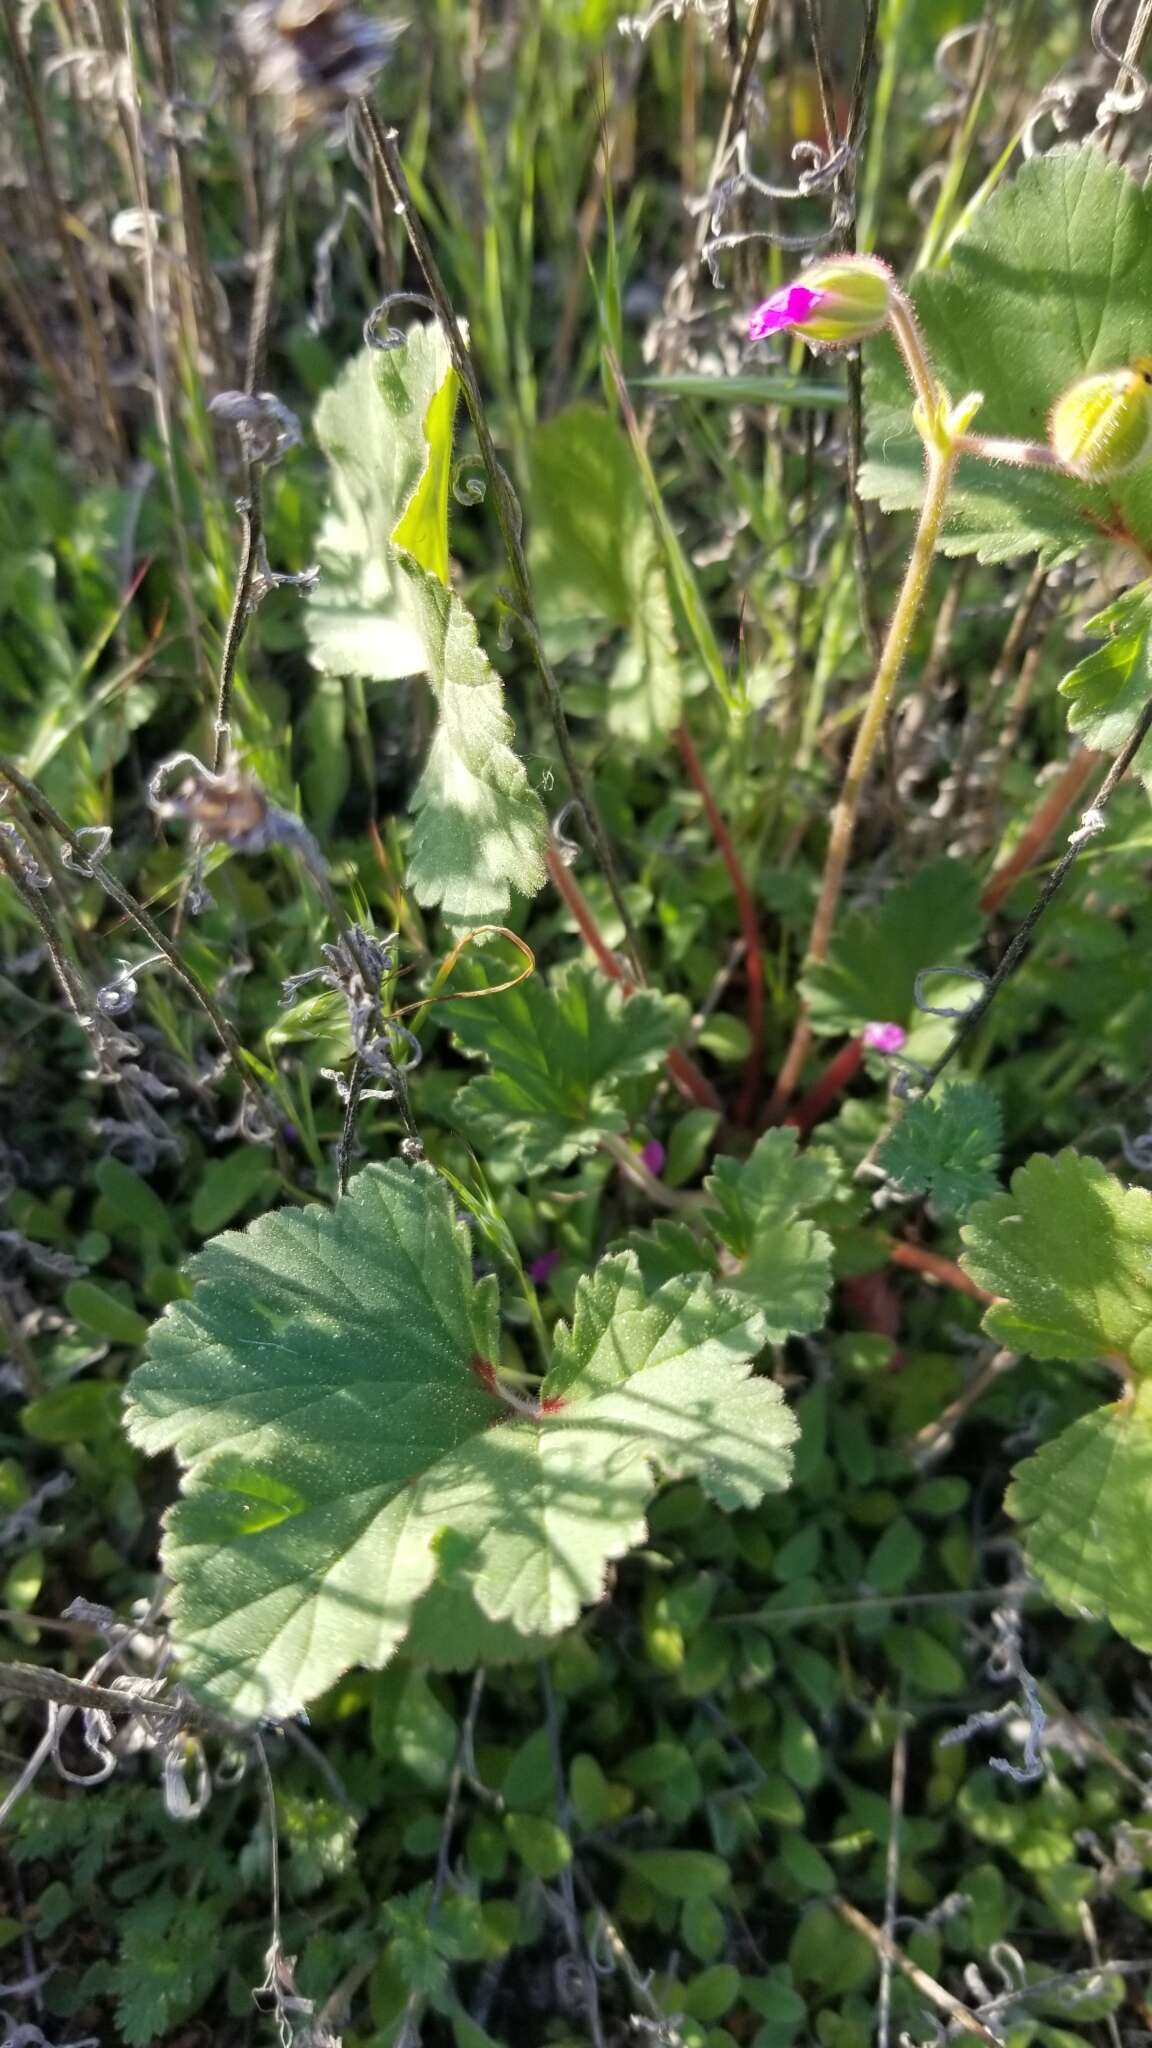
x: 1086, y: 1502
x: 1069, y: 1250
x: 329, y: 1389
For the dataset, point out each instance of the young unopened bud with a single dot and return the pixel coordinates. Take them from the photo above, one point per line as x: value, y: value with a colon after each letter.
x: 1102, y: 427
x: 842, y: 300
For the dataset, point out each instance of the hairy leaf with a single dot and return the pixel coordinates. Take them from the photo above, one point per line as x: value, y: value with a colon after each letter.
x: 756, y: 1209
x: 772, y: 1185
x: 370, y: 425
x: 932, y: 920
x: 328, y: 1389
x: 170, y: 1955
x: 598, y: 564
x: 384, y: 608
x: 1049, y: 283
x: 1086, y: 1502
x: 1070, y: 1250
x: 1108, y: 690
x: 947, y: 1146
x: 558, y: 1057
x: 480, y: 831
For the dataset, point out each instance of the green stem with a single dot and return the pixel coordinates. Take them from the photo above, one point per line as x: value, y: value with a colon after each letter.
x: 941, y: 458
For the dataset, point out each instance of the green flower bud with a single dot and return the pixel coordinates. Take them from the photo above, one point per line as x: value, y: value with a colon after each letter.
x: 1102, y: 427
x: 842, y: 300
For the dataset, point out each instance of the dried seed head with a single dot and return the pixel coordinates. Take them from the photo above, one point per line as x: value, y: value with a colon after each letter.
x: 313, y: 55
x: 231, y: 808
x: 1101, y: 427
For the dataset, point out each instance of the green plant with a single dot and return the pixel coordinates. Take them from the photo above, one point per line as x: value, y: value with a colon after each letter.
x: 559, y: 1067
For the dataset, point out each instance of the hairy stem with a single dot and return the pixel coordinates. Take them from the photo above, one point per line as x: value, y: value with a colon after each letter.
x: 937, y: 1267
x: 941, y: 462
x: 1000, y: 448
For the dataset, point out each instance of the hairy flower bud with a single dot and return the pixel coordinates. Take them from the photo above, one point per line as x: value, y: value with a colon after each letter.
x: 838, y: 301
x: 1101, y: 427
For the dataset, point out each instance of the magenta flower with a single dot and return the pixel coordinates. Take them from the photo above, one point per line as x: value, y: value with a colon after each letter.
x: 654, y: 1156
x: 788, y: 307
x: 541, y: 1270
x: 884, y: 1037
x: 835, y: 302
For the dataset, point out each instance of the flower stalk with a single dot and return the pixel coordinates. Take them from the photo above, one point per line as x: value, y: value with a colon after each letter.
x: 943, y: 428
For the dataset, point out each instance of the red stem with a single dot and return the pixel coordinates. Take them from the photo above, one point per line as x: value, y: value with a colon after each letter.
x: 945, y: 1270
x: 684, y: 1071
x: 830, y: 1086
x: 753, y: 960
x: 1039, y: 830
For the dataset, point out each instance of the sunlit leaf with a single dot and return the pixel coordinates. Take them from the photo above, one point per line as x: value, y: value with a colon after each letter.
x: 328, y: 1389
x: 1085, y: 1500
x: 1051, y: 282
x: 558, y: 1059
x: 1070, y: 1250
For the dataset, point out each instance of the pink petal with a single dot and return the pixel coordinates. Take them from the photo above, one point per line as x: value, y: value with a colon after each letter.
x: 789, y: 306
x: 884, y: 1037
x: 541, y: 1270
x: 654, y: 1156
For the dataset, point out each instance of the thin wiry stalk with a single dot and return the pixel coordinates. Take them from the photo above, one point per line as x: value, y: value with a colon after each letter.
x: 38, y: 803
x: 941, y: 463
x: 77, y: 996
x: 48, y: 1741
x: 1093, y: 822
x: 508, y: 514
x: 1057, y: 803
x: 749, y: 924
x: 155, y: 335
x: 252, y: 503
x: 93, y: 340
x: 957, y: 2014
x: 205, y: 300
x: 844, y: 186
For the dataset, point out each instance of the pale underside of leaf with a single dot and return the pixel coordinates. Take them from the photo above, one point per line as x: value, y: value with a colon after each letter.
x: 480, y: 830
x: 370, y: 424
